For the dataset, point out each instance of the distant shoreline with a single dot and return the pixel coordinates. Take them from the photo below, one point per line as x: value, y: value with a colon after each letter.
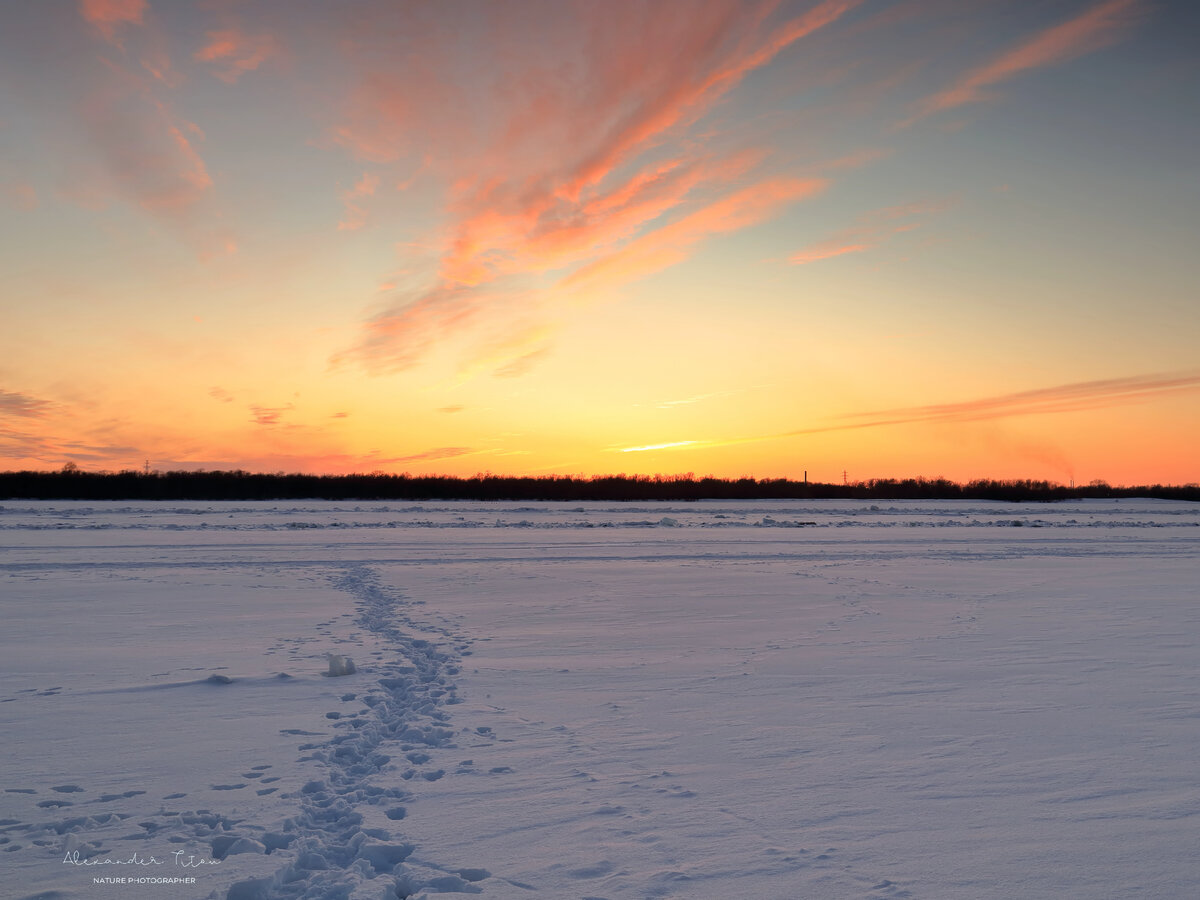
x: 74, y: 484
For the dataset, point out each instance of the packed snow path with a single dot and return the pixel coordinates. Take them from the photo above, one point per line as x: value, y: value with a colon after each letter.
x: 702, y: 701
x: 342, y: 830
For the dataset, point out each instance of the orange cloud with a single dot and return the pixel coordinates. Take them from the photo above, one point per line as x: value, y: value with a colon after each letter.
x: 551, y: 233
x: 234, y: 53
x: 826, y: 250
x: 869, y: 231
x: 108, y: 15
x: 1064, y: 398
x: 1098, y: 27
x: 672, y: 243
x: 268, y: 415
x: 555, y: 167
x: 396, y: 338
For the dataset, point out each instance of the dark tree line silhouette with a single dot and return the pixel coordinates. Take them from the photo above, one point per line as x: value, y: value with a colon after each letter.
x: 72, y: 483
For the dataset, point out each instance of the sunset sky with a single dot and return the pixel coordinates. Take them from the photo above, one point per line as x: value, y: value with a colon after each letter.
x: 893, y: 238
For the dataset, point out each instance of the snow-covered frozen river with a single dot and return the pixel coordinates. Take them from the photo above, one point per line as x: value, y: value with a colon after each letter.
x: 711, y: 701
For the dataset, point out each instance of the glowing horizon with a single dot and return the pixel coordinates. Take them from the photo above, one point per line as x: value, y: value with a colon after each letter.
x: 899, y: 238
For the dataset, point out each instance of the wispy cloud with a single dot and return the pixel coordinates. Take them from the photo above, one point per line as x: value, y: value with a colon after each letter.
x: 138, y: 147
x: 435, y: 454
x: 869, y: 231
x: 355, y: 215
x: 397, y: 338
x: 698, y: 398
x: 671, y: 445
x: 515, y: 355
x: 19, y: 195
x: 232, y: 53
x: 268, y: 415
x: 109, y: 15
x: 1099, y: 26
x: 1075, y: 397
x: 562, y: 166
x: 15, y: 403
x: 673, y: 243
x: 149, y: 151
x: 1066, y: 398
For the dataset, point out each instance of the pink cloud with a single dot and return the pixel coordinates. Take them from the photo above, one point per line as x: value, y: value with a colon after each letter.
x: 559, y: 164
x: 1098, y: 27
x: 132, y: 144
x: 147, y: 150
x: 672, y: 243
x: 686, y: 91
x: 233, y: 53
x: 108, y: 15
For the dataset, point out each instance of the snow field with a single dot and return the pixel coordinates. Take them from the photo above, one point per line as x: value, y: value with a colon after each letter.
x: 564, y: 701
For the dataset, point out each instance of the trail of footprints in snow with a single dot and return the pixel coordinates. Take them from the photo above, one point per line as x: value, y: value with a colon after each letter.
x: 331, y: 849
